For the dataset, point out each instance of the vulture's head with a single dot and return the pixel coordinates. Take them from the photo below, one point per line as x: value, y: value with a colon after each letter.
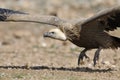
x: 55, y: 34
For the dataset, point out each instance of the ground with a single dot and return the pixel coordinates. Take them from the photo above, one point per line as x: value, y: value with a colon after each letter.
x: 26, y: 55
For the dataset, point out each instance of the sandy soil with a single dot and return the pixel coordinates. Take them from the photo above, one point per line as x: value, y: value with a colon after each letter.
x: 26, y: 55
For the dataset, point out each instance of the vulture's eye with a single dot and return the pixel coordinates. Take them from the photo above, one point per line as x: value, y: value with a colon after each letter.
x: 53, y: 32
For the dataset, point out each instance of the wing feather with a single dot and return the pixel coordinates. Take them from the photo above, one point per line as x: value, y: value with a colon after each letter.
x: 108, y: 18
x: 7, y: 15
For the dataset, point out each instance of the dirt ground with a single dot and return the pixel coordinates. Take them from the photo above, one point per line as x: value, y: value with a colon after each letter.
x: 26, y: 55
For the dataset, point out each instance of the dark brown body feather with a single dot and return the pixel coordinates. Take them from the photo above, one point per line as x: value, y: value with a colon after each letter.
x: 91, y: 33
x: 92, y: 38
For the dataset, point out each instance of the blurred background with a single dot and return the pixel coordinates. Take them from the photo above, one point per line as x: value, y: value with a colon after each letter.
x: 17, y: 40
x: 22, y: 44
x: 62, y: 8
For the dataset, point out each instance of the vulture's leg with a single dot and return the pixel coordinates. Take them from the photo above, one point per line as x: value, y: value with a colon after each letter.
x: 81, y: 56
x: 96, y: 56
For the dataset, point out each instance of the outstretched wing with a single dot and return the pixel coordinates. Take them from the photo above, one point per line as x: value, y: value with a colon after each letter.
x: 109, y: 19
x: 4, y: 13
x: 7, y: 15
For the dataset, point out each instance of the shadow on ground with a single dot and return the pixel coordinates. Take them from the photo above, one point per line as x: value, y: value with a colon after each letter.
x: 77, y: 69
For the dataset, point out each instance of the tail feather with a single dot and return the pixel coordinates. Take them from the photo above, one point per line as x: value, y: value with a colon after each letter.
x: 116, y: 42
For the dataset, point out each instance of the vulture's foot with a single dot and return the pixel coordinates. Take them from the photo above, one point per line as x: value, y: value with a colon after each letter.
x: 80, y: 59
x: 81, y: 56
x: 96, y: 56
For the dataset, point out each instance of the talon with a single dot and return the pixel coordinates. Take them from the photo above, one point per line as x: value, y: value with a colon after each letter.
x: 96, y: 56
x: 81, y: 56
x: 82, y: 62
x: 94, y: 62
x: 79, y: 60
x: 88, y: 59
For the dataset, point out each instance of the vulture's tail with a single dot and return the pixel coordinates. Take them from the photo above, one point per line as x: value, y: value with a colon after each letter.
x: 116, y: 42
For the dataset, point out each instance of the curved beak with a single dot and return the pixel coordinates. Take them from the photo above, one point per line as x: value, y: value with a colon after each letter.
x: 46, y: 34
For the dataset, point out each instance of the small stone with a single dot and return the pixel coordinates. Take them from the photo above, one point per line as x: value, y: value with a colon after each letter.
x: 105, y: 62
x: 44, y: 44
x: 5, y: 43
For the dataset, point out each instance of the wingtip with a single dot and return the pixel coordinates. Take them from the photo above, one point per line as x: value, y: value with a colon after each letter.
x: 10, y: 11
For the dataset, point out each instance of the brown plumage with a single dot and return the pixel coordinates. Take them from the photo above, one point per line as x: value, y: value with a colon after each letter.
x: 89, y: 33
